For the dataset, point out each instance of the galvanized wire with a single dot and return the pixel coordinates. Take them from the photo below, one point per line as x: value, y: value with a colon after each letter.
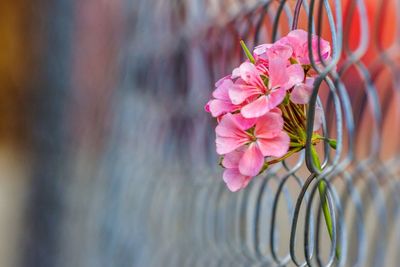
x: 159, y: 195
x: 237, y: 236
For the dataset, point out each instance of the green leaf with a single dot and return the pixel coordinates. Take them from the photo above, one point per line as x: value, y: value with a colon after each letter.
x: 315, y: 158
x: 332, y: 143
x: 324, y: 203
x: 247, y: 52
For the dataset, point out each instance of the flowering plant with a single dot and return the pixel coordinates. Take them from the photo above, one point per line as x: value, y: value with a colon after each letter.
x: 261, y: 108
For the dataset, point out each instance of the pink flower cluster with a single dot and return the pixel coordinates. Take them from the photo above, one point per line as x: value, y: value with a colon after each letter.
x: 247, y: 104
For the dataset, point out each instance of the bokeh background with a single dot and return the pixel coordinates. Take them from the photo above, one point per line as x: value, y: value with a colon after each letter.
x: 106, y: 155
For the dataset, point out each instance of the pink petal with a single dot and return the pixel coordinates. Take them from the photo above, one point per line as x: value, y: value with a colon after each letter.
x: 325, y: 49
x: 298, y: 40
x: 207, y: 106
x: 281, y: 51
x: 276, y: 110
x: 234, y: 180
x: 295, y: 73
x: 244, y: 123
x: 277, y: 73
x: 252, y: 161
x: 261, y: 57
x: 276, y: 146
x: 297, y: 37
x: 221, y: 92
x: 228, y: 144
x: 301, y: 92
x: 256, y: 108
x: 262, y: 67
x: 318, y: 118
x: 250, y: 74
x: 229, y: 135
x: 310, y: 81
x: 228, y: 127
x: 240, y: 92
x: 219, y: 107
x: 220, y: 81
x: 269, y: 125
x: 231, y: 160
x: 286, y: 41
x: 235, y: 73
x: 261, y: 49
x: 232, y: 125
x: 276, y: 97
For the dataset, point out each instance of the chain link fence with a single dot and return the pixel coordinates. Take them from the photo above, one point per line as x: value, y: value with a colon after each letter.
x: 153, y: 195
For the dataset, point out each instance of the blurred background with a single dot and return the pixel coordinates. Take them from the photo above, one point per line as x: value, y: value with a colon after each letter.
x: 107, y: 157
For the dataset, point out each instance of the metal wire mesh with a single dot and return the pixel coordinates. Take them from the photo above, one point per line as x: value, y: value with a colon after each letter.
x: 277, y: 220
x: 168, y: 206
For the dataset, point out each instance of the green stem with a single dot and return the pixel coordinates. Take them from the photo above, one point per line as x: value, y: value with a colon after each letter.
x: 295, y: 118
x: 331, y: 142
x: 295, y: 144
x: 298, y: 109
x: 290, y: 123
x: 322, y: 193
x: 288, y: 154
x: 247, y: 52
x: 292, y: 136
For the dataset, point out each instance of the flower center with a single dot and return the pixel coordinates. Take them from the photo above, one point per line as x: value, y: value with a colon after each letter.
x: 250, y: 133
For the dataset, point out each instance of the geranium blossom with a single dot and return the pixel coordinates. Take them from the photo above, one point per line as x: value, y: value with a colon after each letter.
x: 263, y: 96
x: 261, y: 108
x: 298, y: 41
x: 266, y: 138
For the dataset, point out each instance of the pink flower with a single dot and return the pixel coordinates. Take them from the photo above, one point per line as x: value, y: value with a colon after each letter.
x: 222, y: 103
x: 247, y: 105
x: 263, y: 96
x: 232, y: 177
x: 298, y: 40
x: 265, y: 139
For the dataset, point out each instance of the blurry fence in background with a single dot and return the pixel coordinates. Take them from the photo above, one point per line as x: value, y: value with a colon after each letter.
x: 124, y: 167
